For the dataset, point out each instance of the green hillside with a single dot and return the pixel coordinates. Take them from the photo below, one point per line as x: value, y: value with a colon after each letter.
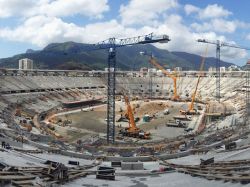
x: 71, y: 55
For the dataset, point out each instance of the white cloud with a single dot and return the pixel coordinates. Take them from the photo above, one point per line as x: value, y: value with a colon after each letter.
x: 15, y: 7
x: 248, y: 37
x: 214, y: 11
x: 27, y: 8
x: 211, y: 11
x: 184, y: 39
x: 220, y: 26
x: 41, y: 29
x: 145, y: 12
x: 91, y: 8
x: 189, y: 9
x: 232, y: 53
x: 217, y: 25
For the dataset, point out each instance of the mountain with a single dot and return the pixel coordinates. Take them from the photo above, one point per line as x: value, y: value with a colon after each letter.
x: 30, y: 51
x: 71, y: 55
x: 196, y: 60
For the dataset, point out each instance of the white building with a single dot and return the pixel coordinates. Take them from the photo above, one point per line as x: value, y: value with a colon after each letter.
x: 25, y: 63
x: 111, y: 69
x: 178, y: 69
x: 143, y: 71
x: 212, y: 69
x: 159, y: 73
x: 222, y: 69
x: 233, y: 68
x: 152, y: 70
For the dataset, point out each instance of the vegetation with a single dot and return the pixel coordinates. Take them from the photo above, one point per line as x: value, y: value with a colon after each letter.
x: 71, y: 55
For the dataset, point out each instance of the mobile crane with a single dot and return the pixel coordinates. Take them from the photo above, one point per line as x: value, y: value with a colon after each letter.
x: 153, y: 61
x: 132, y: 130
x: 191, y: 110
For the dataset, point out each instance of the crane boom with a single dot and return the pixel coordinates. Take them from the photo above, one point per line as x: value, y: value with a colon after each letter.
x: 154, y: 63
x: 191, y: 106
x: 219, y: 44
x: 112, y: 44
x: 130, y: 114
x: 133, y: 130
x: 146, y: 39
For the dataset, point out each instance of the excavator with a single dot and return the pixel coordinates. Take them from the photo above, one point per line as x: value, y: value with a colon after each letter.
x: 191, y: 110
x: 132, y: 130
x: 153, y: 61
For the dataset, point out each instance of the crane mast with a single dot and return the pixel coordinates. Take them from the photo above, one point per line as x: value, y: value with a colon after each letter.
x: 219, y: 44
x: 112, y: 44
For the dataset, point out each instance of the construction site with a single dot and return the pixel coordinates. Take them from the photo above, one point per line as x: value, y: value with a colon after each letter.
x: 125, y: 128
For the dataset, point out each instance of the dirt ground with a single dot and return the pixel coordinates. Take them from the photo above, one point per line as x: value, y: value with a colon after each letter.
x: 94, y: 121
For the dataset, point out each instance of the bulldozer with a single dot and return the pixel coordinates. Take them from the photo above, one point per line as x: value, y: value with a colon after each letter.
x: 132, y: 130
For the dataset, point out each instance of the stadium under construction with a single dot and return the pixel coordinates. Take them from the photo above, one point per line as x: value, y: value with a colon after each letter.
x: 124, y: 128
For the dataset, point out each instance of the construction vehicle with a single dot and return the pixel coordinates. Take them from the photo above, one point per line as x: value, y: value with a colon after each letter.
x: 25, y: 125
x: 132, y: 130
x: 191, y: 110
x: 153, y: 61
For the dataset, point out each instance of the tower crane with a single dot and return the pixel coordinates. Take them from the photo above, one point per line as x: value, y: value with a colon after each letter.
x: 112, y: 44
x: 133, y: 130
x: 219, y: 44
x: 153, y: 61
x: 191, y: 110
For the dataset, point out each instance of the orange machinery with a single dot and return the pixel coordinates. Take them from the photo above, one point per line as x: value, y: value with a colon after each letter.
x: 191, y: 110
x: 132, y: 130
x: 153, y: 61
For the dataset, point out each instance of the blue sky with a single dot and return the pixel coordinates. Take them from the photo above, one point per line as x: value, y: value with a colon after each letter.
x: 35, y: 23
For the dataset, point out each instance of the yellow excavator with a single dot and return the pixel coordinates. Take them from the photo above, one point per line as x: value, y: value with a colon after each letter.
x: 153, y: 61
x: 132, y: 130
x: 191, y: 110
